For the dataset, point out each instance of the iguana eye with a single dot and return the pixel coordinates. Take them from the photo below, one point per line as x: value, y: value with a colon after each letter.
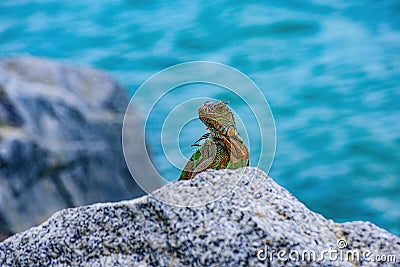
x: 220, y: 105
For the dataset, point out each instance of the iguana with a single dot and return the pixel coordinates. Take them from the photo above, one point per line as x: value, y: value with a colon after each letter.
x: 223, y: 148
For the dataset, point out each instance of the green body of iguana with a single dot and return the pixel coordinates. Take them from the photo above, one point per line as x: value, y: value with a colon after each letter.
x: 223, y: 148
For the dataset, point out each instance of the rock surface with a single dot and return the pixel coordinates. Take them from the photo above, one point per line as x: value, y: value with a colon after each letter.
x: 230, y: 231
x: 60, y: 141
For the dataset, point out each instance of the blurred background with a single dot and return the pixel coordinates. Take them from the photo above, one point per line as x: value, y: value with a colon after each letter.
x: 330, y: 71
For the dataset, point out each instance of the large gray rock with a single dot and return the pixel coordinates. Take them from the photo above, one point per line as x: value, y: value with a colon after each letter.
x: 60, y: 141
x: 231, y: 231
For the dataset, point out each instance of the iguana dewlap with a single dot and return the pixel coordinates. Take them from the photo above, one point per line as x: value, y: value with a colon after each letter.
x: 223, y: 148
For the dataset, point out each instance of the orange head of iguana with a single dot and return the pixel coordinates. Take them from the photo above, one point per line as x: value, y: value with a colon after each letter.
x: 218, y: 118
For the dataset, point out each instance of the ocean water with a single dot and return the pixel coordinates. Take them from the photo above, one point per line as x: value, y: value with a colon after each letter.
x: 330, y: 71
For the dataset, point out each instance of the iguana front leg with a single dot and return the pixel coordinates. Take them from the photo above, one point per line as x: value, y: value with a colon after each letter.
x: 201, y: 160
x: 239, y: 155
x: 208, y: 151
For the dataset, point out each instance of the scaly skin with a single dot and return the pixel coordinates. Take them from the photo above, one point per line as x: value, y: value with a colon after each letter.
x: 223, y: 148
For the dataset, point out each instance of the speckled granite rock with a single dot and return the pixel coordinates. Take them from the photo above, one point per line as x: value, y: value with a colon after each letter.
x: 228, y: 232
x: 60, y: 140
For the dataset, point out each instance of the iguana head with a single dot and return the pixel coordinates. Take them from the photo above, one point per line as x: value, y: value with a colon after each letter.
x: 218, y: 118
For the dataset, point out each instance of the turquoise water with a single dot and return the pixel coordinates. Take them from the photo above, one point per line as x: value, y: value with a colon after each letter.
x: 329, y: 69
